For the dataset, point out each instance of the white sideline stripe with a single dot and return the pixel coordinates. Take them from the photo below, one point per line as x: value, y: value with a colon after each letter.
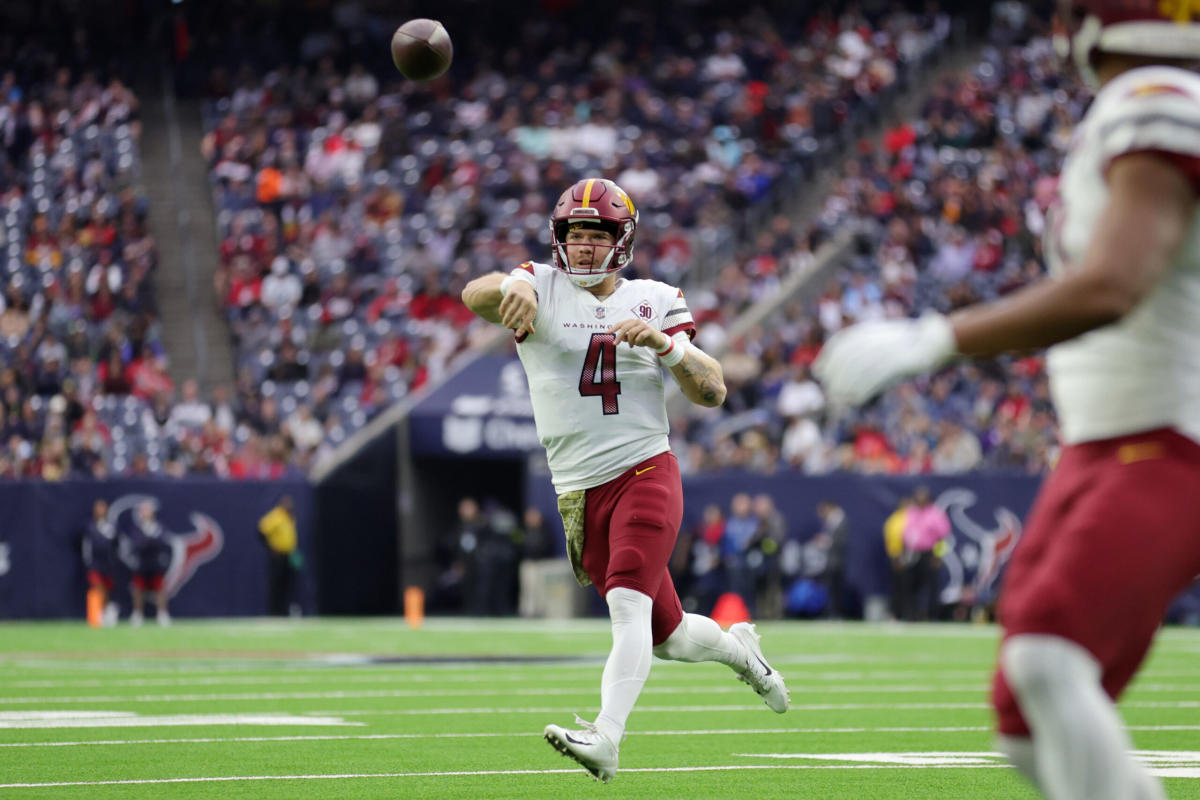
x: 690, y: 708
x: 539, y: 691
x: 709, y: 708
x: 319, y: 661
x: 505, y: 692
x: 502, y: 735
x: 128, y: 719
x: 466, y: 773
x: 390, y: 736
x: 497, y: 675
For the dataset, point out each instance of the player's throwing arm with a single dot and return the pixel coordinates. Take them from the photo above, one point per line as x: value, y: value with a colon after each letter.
x: 504, y: 299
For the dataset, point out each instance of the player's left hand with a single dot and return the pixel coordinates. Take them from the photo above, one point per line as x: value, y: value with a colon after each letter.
x: 639, y: 333
x: 861, y: 361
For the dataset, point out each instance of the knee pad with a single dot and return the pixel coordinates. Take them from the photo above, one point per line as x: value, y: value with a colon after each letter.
x: 676, y: 644
x: 627, y: 605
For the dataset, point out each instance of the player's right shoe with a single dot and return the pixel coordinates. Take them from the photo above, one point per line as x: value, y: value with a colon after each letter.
x: 136, y: 619
x: 594, y: 751
x: 758, y: 673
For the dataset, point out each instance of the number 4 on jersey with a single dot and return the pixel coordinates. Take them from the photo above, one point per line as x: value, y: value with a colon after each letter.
x: 601, y: 360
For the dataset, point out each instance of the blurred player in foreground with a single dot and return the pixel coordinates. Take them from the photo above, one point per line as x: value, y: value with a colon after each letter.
x: 600, y: 411
x: 1115, y: 533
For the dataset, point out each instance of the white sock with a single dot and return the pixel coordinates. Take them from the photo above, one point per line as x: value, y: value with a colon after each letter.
x: 701, y: 639
x: 1080, y: 746
x: 628, y: 663
x: 1021, y: 754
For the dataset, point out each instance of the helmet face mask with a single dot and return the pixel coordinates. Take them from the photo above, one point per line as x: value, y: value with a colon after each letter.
x: 595, y: 204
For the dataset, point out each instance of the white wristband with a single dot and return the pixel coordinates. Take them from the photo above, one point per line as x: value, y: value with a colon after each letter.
x: 673, y: 354
x: 517, y: 274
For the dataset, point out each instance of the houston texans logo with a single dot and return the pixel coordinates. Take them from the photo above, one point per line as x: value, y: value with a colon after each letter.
x: 192, y: 549
x: 189, y: 550
x: 975, y: 547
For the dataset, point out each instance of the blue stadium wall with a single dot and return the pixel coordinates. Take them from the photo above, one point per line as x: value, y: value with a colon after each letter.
x: 219, y: 563
x: 986, y: 513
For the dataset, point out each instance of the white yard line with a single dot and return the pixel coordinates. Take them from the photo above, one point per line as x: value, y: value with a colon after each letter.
x: 979, y: 706
x: 464, y: 773
x: 756, y: 707
x: 519, y: 734
x: 589, y: 688
x: 502, y: 673
x: 798, y: 689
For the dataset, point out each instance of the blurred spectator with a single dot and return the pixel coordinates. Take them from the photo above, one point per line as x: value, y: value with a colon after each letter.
x: 925, y: 528
x: 832, y: 540
x: 763, y: 558
x: 148, y: 555
x: 735, y: 545
x: 893, y: 544
x: 284, y: 560
x: 100, y: 560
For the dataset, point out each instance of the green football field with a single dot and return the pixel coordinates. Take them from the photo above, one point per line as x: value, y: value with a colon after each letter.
x: 354, y: 708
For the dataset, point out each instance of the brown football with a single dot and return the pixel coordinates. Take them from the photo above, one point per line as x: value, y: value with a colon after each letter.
x: 421, y: 49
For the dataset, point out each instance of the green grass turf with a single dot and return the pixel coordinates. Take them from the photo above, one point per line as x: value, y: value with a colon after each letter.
x: 430, y: 711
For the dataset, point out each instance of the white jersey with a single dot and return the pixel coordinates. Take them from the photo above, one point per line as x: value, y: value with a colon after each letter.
x: 1142, y: 372
x: 599, y: 408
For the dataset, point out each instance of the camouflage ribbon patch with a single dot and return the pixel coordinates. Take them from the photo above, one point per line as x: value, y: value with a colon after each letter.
x: 571, y: 507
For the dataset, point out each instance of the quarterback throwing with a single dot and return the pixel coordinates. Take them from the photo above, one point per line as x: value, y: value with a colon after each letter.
x: 594, y: 346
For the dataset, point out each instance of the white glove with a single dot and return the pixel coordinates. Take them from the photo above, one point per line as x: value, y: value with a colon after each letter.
x: 861, y: 361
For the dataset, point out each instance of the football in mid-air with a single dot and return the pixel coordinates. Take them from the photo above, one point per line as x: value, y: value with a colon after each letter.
x: 421, y: 49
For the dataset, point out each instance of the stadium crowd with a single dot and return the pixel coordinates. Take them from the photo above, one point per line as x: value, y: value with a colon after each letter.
x: 953, y: 207
x: 352, y: 211
x: 79, y: 337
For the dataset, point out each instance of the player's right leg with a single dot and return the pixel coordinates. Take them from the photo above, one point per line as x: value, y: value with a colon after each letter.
x: 1105, y: 519
x: 596, y: 746
x: 629, y: 533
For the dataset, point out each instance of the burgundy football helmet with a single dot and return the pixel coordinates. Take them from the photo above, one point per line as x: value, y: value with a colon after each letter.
x: 594, y: 202
x: 1168, y: 29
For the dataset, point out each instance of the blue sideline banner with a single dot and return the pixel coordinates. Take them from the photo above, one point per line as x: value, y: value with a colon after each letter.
x: 218, y: 565
x: 986, y: 512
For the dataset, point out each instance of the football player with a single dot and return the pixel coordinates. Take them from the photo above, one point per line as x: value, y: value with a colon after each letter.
x: 1115, y: 532
x: 594, y: 346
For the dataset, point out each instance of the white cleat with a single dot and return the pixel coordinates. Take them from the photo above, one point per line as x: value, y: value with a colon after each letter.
x: 164, y: 619
x: 592, y: 749
x: 136, y: 619
x: 758, y: 673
